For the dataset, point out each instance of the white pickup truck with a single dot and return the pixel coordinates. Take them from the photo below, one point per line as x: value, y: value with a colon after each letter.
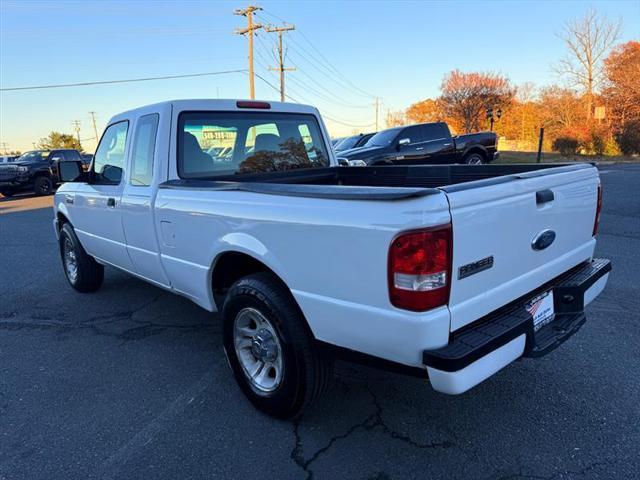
x: 449, y: 272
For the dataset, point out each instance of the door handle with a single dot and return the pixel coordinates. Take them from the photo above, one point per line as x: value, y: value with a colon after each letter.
x: 420, y: 148
x: 111, y: 202
x: 544, y: 196
x: 446, y: 144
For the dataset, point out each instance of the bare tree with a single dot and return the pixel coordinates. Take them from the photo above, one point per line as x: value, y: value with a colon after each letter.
x: 588, y: 40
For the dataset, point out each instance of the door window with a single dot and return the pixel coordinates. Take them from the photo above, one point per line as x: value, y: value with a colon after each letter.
x: 415, y: 134
x: 109, y: 159
x: 144, y: 146
x: 72, y: 155
x: 433, y: 131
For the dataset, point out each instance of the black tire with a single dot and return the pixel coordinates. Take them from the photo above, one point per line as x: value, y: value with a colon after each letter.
x: 306, y: 369
x: 89, y: 273
x: 474, y: 159
x: 43, y: 186
x: 6, y: 193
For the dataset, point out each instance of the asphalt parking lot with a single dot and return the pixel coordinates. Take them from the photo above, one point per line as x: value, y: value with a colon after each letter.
x: 131, y: 382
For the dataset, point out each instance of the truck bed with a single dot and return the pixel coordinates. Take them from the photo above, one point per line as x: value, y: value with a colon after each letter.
x: 375, y: 182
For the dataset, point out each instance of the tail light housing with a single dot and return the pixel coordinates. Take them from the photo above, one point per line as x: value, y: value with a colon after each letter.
x: 596, y: 222
x: 419, y: 271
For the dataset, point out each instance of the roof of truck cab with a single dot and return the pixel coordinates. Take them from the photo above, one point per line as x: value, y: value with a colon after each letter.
x: 215, y: 104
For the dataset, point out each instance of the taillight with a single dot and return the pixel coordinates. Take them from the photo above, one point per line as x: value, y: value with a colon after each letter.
x: 253, y: 104
x: 420, y: 268
x: 596, y: 222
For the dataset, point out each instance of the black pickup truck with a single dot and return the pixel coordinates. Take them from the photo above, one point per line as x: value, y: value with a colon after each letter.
x: 425, y: 143
x: 37, y: 171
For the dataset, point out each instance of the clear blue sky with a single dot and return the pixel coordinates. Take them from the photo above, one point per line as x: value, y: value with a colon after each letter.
x: 398, y: 51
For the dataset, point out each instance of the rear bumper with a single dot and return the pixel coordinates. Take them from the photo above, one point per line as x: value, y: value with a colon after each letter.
x: 479, y: 350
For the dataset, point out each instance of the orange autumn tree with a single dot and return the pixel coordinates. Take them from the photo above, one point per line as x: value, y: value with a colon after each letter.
x: 622, y: 95
x: 467, y: 96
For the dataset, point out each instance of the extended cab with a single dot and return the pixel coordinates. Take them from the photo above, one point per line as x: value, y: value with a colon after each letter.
x: 35, y: 171
x: 448, y: 272
x: 423, y: 144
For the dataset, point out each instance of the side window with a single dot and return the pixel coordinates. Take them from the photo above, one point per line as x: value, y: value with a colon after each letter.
x: 72, y: 155
x: 433, y: 131
x: 144, y: 146
x: 415, y: 134
x: 109, y: 159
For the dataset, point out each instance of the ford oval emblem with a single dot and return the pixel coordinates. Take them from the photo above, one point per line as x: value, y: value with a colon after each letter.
x: 543, y: 239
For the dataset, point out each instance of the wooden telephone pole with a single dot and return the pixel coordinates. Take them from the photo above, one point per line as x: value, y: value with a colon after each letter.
x: 281, y: 68
x: 95, y: 129
x: 248, y: 12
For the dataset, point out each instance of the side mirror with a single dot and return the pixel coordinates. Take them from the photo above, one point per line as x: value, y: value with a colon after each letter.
x: 112, y: 173
x: 403, y: 141
x: 56, y: 159
x: 70, y: 171
x: 343, y: 162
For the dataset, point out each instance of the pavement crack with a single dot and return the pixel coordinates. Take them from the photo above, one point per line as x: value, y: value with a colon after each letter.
x: 373, y: 421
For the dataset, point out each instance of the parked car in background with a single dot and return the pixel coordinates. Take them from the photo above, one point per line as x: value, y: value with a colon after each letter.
x: 36, y: 170
x: 426, y: 143
x: 451, y: 279
x: 7, y: 158
x: 354, y: 141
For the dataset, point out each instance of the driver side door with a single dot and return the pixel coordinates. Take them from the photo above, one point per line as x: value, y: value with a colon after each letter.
x: 97, y: 217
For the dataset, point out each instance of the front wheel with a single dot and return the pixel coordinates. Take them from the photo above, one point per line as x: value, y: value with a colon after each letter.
x: 474, y: 159
x: 43, y: 186
x: 270, y: 348
x: 82, y: 271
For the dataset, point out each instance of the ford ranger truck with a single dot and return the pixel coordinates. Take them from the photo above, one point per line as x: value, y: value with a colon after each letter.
x: 447, y: 272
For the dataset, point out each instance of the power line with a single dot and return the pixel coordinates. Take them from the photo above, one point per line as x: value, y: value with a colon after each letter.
x: 333, y: 67
x: 129, y: 80
x: 329, y: 95
x: 326, y: 61
x: 333, y: 119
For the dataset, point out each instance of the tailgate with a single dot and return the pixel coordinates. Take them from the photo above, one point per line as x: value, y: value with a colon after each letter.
x: 495, y: 225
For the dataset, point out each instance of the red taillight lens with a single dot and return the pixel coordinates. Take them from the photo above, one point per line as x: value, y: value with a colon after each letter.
x: 253, y: 104
x: 420, y: 269
x: 596, y: 222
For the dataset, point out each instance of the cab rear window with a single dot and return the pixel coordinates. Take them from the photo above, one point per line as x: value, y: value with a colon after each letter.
x: 225, y: 143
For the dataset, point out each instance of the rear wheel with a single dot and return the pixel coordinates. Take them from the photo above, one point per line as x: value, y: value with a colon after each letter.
x: 43, y: 186
x: 474, y: 159
x: 270, y: 349
x: 82, y: 271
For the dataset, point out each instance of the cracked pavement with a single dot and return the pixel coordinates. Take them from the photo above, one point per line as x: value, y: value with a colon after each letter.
x: 131, y: 382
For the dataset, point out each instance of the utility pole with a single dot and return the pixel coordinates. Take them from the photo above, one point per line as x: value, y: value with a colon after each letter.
x: 76, y: 126
x: 281, y: 68
x: 377, y: 104
x: 4, y: 147
x: 248, y: 12
x: 93, y: 120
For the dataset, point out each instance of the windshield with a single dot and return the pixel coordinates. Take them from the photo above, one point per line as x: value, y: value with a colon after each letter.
x: 33, y: 156
x: 348, y: 143
x: 384, y: 138
x: 226, y: 143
